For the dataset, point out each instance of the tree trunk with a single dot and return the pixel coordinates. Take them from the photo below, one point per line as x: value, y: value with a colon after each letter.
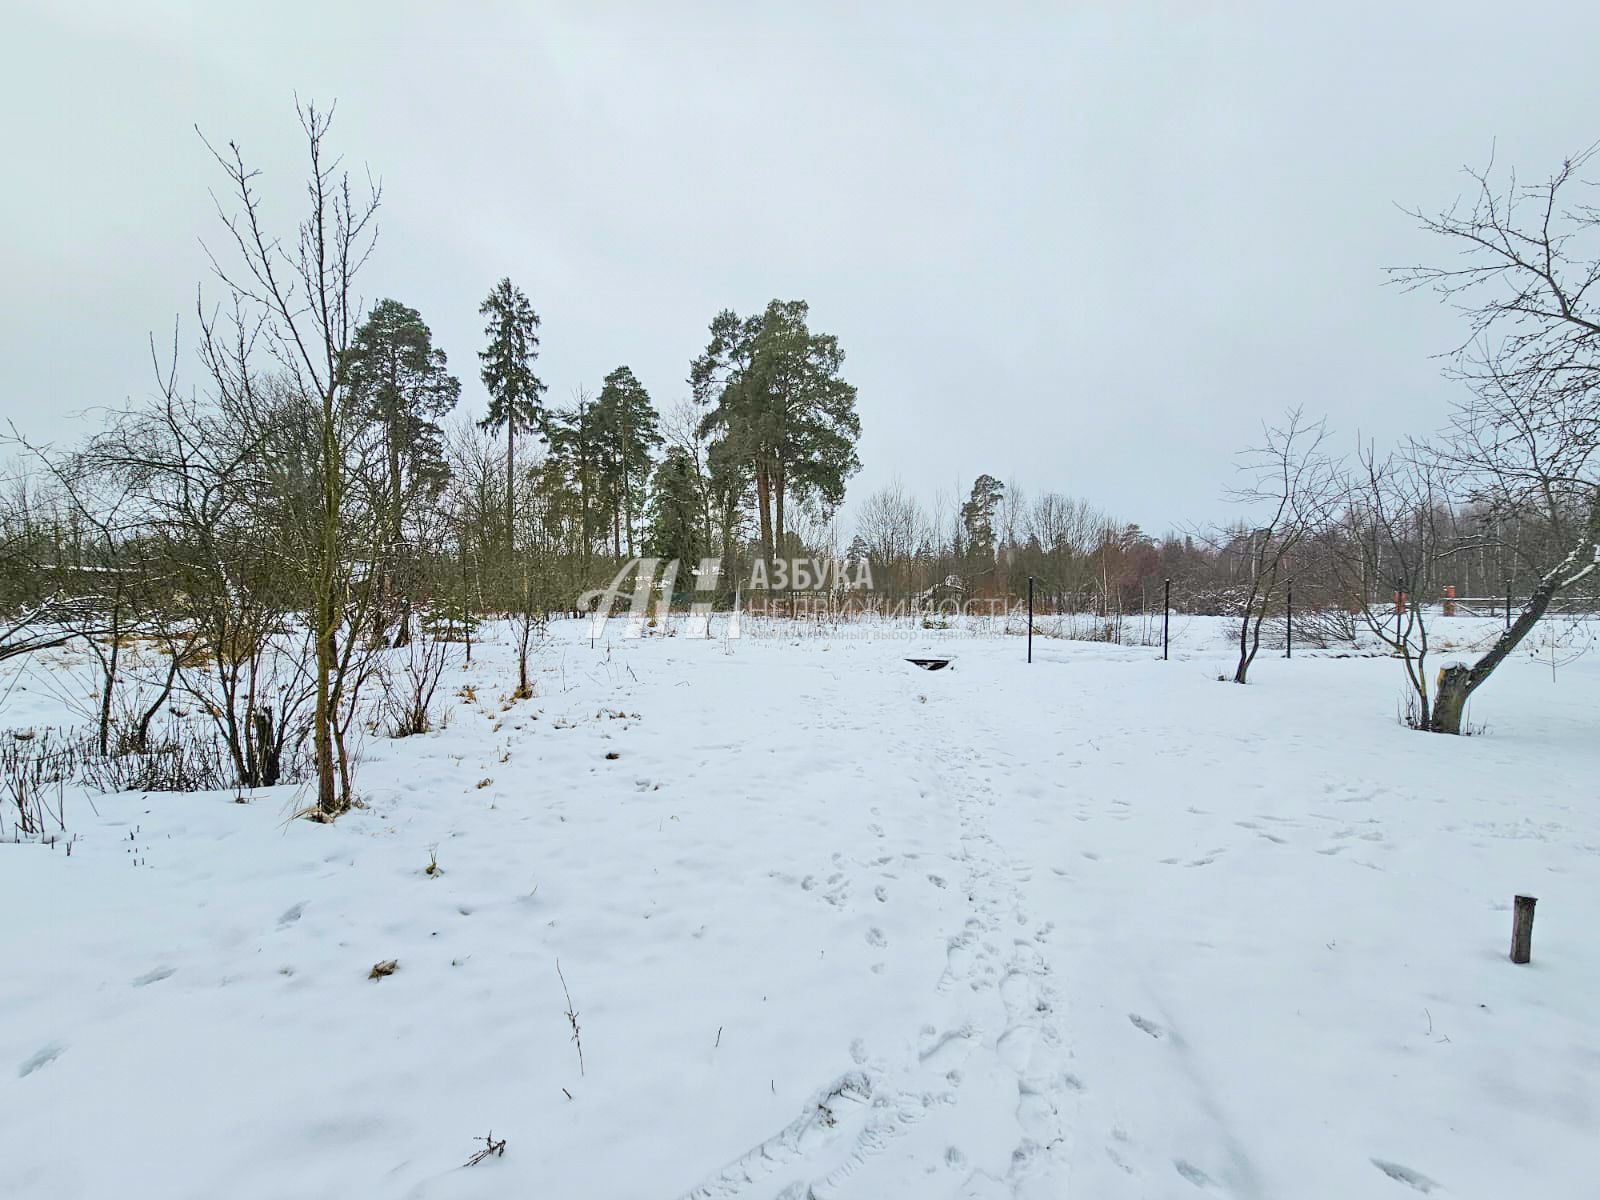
x: 627, y: 504
x: 402, y: 629
x: 1457, y: 681
x: 778, y: 511
x: 764, y: 504
x: 396, y: 577
x: 324, y: 619
x: 525, y: 624
x: 511, y: 479
x: 1450, y: 698
x: 346, y: 785
x: 268, y: 763
x: 1250, y: 636
x: 327, y: 781
x: 141, y: 730
x: 109, y: 682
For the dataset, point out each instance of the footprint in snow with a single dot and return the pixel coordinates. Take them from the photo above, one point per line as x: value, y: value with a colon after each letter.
x: 42, y: 1057
x: 1412, y: 1179
x: 291, y: 915
x: 875, y: 937
x: 1145, y: 1025
x: 1194, y: 1174
x: 937, y: 881
x: 155, y: 976
x: 946, y: 1050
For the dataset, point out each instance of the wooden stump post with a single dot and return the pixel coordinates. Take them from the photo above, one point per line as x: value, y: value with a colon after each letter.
x: 1522, y: 929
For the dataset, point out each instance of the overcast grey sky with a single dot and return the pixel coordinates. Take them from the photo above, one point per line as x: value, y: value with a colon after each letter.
x: 1088, y: 246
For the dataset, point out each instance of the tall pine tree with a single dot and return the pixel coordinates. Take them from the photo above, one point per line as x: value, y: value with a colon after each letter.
x: 777, y: 402
x: 514, y: 390
x: 400, y: 386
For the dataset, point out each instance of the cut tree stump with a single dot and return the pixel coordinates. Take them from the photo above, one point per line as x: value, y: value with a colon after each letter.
x: 1522, y: 929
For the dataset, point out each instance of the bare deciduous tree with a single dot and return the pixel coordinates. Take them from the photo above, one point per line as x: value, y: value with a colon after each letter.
x: 1386, y: 550
x: 893, y: 529
x: 299, y: 300
x: 1292, y: 492
x: 1526, y: 443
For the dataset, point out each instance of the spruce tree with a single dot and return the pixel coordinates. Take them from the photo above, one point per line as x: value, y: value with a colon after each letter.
x: 625, y: 436
x: 514, y: 390
x: 677, y: 528
x: 575, y: 450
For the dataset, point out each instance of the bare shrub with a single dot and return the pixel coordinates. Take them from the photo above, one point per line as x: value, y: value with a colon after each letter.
x: 35, y: 767
x: 408, y: 693
x: 1117, y: 629
x: 182, y: 757
x: 1315, y: 628
x: 491, y: 1148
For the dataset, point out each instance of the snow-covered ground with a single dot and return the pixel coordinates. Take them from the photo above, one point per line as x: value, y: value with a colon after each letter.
x: 833, y: 926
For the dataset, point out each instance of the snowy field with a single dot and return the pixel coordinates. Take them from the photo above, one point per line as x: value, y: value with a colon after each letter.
x: 835, y: 927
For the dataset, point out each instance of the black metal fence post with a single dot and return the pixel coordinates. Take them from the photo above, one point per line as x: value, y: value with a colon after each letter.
x: 1508, y: 604
x: 1288, y: 622
x: 1030, y: 618
x: 1166, y: 617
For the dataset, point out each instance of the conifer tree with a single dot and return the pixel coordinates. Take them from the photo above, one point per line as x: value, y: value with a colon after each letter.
x: 977, y: 515
x: 677, y: 528
x: 626, y: 434
x: 777, y: 402
x: 575, y: 451
x: 514, y: 390
x: 400, y: 386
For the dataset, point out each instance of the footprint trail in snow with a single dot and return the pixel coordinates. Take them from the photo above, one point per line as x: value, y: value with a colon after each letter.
x: 975, y: 1101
